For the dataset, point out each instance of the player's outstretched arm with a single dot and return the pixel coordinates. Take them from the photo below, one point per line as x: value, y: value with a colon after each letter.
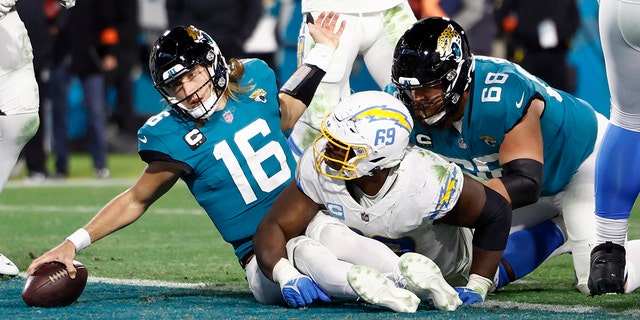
x: 121, y: 211
x: 296, y: 94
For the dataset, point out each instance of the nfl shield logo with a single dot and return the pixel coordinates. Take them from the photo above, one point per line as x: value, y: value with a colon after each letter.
x: 364, y: 216
x: 462, y: 144
x: 227, y: 116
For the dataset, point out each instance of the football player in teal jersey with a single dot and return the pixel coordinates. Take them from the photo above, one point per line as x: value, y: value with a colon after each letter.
x: 223, y: 137
x: 530, y: 142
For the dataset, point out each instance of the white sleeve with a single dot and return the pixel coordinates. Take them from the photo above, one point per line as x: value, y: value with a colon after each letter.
x: 438, y: 182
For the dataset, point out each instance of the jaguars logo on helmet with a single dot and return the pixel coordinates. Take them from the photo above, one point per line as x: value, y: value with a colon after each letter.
x: 433, y: 52
x: 449, y: 44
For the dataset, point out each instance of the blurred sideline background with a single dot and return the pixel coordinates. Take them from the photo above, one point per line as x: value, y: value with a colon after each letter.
x: 585, y: 56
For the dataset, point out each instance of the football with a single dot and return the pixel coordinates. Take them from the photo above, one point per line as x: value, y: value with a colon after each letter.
x: 50, y: 285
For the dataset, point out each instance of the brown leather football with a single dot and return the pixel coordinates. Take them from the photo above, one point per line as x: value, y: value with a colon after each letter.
x: 50, y: 285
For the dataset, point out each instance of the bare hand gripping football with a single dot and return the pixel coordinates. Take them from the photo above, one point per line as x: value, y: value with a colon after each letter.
x: 50, y: 285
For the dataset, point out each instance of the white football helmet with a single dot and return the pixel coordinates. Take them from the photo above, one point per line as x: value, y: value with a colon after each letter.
x: 372, y: 127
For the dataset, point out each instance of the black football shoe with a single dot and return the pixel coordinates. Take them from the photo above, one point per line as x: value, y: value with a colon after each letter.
x: 607, y: 269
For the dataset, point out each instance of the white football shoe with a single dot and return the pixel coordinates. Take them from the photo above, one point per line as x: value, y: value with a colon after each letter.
x: 375, y: 288
x: 7, y: 267
x: 424, y: 278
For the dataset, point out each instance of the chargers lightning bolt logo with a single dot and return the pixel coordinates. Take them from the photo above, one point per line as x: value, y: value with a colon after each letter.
x: 447, y: 193
x: 384, y: 113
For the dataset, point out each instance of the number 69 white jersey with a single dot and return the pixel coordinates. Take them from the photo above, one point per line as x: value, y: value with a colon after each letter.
x: 423, y: 188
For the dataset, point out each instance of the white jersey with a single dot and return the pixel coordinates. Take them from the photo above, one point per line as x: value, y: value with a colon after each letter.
x: 426, y: 187
x: 349, y: 6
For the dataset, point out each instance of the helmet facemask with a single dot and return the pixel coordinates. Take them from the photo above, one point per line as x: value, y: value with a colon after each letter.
x: 194, y: 105
x: 187, y: 52
x: 348, y: 163
x: 434, y: 52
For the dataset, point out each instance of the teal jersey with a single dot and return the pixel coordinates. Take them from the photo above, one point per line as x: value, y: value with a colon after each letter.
x: 499, y: 98
x: 237, y: 163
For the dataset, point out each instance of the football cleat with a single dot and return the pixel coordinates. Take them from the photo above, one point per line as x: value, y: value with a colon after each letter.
x: 607, y: 269
x: 7, y: 268
x: 425, y: 279
x: 375, y: 288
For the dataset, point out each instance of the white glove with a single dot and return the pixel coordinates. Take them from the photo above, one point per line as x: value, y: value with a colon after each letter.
x: 6, y: 6
x: 67, y: 3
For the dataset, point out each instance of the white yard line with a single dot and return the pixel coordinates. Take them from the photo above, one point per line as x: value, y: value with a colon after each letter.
x: 147, y: 283
x: 74, y: 182
x: 83, y: 209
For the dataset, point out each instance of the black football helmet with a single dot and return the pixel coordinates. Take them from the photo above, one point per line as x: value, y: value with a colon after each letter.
x: 177, y: 52
x: 433, y: 52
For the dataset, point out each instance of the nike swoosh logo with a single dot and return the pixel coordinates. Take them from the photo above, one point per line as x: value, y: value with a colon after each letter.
x: 143, y: 139
x: 519, y: 103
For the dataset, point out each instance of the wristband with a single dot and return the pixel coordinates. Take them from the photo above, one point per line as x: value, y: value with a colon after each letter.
x: 479, y: 284
x: 303, y: 83
x: 320, y: 56
x: 283, y: 271
x: 81, y: 239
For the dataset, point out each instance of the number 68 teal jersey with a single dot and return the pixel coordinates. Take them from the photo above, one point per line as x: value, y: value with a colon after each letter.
x: 500, y: 94
x: 236, y: 164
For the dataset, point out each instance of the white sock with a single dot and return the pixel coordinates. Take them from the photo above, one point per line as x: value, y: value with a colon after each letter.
x: 614, y: 230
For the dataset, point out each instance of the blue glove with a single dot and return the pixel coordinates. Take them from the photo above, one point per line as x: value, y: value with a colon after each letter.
x: 301, y: 291
x: 468, y: 296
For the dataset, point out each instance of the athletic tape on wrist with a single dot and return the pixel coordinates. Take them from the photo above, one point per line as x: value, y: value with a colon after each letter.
x: 479, y: 284
x: 284, y: 271
x: 81, y: 239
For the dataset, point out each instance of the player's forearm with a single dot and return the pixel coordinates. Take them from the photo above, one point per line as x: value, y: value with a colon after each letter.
x: 485, y: 262
x: 290, y: 111
x: 117, y: 214
x: 269, y: 245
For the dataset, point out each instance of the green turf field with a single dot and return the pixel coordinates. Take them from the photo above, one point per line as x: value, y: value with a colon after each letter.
x: 176, y: 242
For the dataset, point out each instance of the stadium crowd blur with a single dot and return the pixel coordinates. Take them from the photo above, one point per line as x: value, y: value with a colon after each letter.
x: 120, y: 38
